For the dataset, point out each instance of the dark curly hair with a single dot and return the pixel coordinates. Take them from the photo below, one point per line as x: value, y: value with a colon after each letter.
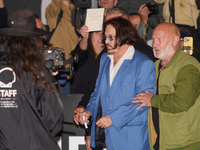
x: 125, y: 32
x: 28, y: 53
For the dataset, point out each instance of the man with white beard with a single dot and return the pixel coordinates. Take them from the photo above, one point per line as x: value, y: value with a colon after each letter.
x: 174, y: 115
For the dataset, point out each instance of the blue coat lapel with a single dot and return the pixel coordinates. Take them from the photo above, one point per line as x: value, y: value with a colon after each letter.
x: 121, y: 73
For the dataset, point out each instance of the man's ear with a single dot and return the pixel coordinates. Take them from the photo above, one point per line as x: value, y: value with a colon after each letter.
x: 175, y: 40
x: 116, y: 1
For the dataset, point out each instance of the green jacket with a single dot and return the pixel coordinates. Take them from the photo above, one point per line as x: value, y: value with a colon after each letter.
x: 179, y: 103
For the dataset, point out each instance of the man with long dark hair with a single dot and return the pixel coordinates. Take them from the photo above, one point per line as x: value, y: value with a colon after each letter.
x: 30, y: 107
x: 123, y: 72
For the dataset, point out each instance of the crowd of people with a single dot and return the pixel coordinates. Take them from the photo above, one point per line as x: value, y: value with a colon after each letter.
x: 135, y: 95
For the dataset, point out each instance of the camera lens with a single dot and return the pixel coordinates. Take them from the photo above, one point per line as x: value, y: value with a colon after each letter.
x: 49, y: 64
x: 153, y: 8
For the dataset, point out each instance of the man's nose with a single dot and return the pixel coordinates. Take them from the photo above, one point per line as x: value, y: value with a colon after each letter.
x: 155, y: 42
x: 107, y: 40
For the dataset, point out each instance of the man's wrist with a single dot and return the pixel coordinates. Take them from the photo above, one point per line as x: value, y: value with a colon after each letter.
x: 143, y: 24
x: 153, y: 101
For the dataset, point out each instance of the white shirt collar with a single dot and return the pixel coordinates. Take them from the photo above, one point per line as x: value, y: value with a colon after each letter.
x: 127, y: 55
x: 114, y: 69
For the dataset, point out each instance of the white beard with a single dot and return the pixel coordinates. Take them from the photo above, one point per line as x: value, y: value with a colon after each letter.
x: 169, y: 50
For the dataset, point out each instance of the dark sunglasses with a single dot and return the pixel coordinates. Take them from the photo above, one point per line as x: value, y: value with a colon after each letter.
x: 110, y: 38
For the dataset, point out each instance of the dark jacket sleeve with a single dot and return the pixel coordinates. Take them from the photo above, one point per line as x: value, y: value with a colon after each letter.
x: 86, y: 97
x: 4, y: 16
x: 51, y: 108
x: 82, y: 55
x: 183, y: 98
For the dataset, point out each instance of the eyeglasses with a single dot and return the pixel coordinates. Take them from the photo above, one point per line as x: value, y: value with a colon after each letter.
x: 110, y: 38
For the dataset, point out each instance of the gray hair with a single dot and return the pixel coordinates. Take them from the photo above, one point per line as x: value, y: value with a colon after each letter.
x: 119, y: 10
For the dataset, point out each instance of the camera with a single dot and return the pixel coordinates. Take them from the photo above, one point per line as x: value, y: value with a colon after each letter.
x: 54, y: 57
x: 153, y: 8
x: 82, y: 3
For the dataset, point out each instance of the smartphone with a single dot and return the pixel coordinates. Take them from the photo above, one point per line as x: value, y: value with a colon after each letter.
x: 188, y: 45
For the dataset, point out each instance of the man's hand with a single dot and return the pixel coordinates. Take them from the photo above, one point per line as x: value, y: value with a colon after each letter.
x: 2, y: 4
x: 84, y: 32
x: 143, y: 98
x: 87, y: 142
x: 86, y: 115
x: 66, y: 2
x: 54, y: 73
x: 143, y: 12
x: 104, y: 122
x: 77, y: 112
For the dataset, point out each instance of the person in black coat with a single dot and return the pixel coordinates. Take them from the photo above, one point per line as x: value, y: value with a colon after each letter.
x: 30, y: 107
x: 89, y: 50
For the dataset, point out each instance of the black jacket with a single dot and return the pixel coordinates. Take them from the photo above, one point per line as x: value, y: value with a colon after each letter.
x: 4, y: 16
x: 30, y: 116
x: 145, y: 49
x: 86, y: 72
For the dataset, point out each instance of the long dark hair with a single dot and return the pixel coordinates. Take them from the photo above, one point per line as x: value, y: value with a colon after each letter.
x: 28, y: 53
x: 125, y: 31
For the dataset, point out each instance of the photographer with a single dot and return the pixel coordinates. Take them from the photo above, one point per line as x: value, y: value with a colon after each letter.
x: 31, y: 110
x: 140, y: 19
x: 58, y: 15
x: 64, y: 35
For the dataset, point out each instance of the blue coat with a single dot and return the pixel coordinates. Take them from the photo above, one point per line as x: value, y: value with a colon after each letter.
x: 129, y: 130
